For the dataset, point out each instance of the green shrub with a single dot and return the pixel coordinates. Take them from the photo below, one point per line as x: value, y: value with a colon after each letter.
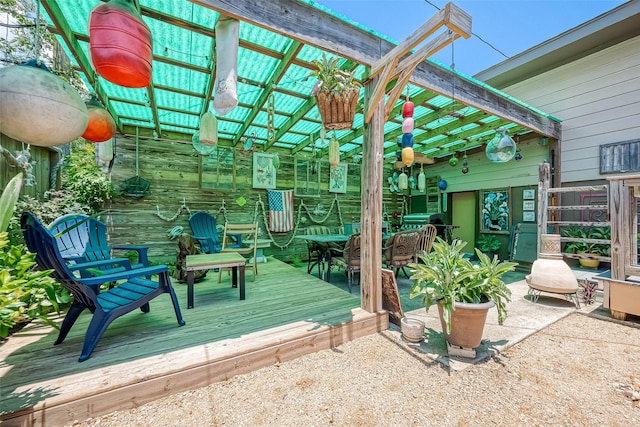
x: 25, y: 293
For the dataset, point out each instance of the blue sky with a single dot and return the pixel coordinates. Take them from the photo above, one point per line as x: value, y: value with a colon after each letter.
x: 511, y: 26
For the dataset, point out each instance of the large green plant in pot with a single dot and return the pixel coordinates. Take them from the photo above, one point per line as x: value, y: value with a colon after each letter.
x: 445, y: 276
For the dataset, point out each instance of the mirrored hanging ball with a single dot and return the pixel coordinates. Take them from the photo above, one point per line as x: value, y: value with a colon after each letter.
x: 501, y: 148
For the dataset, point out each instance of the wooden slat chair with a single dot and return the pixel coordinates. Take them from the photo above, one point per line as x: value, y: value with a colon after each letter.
x: 204, y: 229
x: 250, y: 233
x: 400, y: 250
x: 87, y: 243
x: 349, y: 260
x: 428, y: 235
x: 134, y: 292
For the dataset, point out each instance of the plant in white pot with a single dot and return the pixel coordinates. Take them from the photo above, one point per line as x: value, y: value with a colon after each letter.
x: 464, y: 291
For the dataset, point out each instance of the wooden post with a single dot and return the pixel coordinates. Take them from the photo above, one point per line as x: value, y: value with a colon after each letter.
x: 618, y: 201
x: 371, y: 214
x: 543, y: 199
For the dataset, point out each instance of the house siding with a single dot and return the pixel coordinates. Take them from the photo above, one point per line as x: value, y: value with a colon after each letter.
x: 598, y: 100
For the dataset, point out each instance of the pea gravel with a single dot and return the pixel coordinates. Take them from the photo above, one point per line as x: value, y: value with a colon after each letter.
x: 579, y: 371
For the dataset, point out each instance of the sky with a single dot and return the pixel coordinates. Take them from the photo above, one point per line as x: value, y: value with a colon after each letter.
x: 507, y: 26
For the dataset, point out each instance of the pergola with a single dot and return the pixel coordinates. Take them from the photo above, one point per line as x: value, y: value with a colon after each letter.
x: 279, y: 40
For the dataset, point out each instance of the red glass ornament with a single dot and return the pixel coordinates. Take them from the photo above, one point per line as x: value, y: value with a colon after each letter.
x: 407, y: 109
x: 101, y: 126
x: 120, y: 44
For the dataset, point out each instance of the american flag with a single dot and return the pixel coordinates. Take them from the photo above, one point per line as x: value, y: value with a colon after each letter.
x: 280, y: 210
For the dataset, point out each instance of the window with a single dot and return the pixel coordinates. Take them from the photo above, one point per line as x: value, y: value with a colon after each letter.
x: 217, y: 171
x: 307, y: 177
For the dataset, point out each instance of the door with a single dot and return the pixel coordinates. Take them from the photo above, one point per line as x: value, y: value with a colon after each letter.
x: 464, y: 215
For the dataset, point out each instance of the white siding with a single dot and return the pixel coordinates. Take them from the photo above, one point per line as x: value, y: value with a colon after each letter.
x: 598, y: 100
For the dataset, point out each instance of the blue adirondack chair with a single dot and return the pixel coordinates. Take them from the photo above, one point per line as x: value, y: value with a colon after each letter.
x: 134, y: 292
x: 203, y: 226
x: 87, y: 242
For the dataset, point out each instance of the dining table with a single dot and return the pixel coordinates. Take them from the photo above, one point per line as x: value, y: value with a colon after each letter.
x: 325, y: 240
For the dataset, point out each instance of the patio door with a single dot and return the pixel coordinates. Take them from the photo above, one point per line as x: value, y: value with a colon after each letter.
x: 463, y: 214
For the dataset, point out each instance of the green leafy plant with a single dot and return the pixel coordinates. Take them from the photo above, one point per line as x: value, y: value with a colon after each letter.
x: 447, y: 276
x: 84, y: 179
x: 331, y: 77
x: 577, y: 232
x: 25, y: 293
x: 488, y: 243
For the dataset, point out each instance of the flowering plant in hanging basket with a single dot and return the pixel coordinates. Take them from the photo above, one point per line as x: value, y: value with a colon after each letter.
x: 337, y: 93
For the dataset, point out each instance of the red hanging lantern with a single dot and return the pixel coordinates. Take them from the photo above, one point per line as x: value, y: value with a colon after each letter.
x: 101, y: 126
x: 120, y: 44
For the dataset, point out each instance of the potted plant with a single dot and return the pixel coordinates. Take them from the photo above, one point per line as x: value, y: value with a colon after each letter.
x: 337, y: 92
x: 463, y: 291
x: 488, y: 244
x: 587, y: 248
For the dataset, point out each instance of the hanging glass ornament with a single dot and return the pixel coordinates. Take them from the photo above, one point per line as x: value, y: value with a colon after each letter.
x: 453, y: 161
x: 202, y: 149
x: 518, y: 155
x: 442, y: 185
x: 501, y: 148
x: 465, y: 170
x: 411, y: 182
x: 422, y: 181
x: 403, y: 181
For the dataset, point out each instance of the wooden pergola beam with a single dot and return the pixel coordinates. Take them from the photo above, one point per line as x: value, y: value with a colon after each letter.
x: 390, y: 66
x: 315, y: 27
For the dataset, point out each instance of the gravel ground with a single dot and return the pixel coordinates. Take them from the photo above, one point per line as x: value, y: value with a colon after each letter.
x: 580, y: 371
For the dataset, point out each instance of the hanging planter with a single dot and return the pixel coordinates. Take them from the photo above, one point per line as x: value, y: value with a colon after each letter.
x: 39, y: 108
x: 120, y: 44
x: 101, y: 126
x: 337, y: 94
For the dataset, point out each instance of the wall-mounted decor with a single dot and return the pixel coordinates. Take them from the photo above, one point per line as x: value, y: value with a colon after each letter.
x: 264, y: 174
x: 528, y: 194
x: 529, y: 216
x: 217, y: 171
x: 495, y: 211
x: 528, y: 205
x: 338, y: 179
x: 307, y: 177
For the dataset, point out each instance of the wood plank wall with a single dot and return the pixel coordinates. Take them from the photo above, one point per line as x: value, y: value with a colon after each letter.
x: 172, y: 169
x: 43, y: 159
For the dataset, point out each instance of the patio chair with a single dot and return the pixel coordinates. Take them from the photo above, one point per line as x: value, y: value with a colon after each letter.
x: 314, y: 249
x: 400, y: 250
x: 245, y: 230
x: 349, y: 260
x: 87, y: 242
x: 135, y: 290
x: 428, y: 234
x: 204, y: 229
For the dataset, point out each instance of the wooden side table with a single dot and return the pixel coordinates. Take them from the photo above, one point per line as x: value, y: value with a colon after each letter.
x: 211, y: 261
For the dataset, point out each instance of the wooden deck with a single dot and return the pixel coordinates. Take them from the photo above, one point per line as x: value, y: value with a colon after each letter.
x: 287, y: 313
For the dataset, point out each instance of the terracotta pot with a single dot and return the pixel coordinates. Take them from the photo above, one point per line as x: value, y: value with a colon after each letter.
x: 467, y: 324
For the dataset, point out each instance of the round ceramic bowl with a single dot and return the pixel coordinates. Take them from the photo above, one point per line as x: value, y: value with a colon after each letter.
x: 412, y: 329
